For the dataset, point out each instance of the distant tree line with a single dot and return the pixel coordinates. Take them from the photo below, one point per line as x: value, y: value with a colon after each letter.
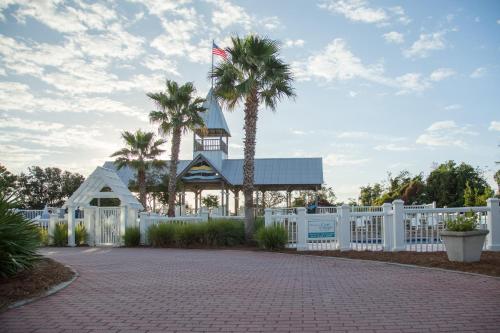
x: 449, y: 184
x: 40, y: 186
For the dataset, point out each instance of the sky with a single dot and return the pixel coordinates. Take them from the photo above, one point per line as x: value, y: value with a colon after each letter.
x: 381, y: 86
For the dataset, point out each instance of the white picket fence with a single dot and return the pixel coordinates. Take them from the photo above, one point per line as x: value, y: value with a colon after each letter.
x: 390, y: 227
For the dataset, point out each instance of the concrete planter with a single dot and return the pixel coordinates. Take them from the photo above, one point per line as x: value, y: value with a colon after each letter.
x: 464, y: 246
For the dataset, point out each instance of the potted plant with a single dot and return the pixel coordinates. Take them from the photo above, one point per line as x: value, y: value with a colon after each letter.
x: 463, y: 241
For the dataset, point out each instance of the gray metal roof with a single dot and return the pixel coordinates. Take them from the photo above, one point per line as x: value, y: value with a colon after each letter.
x: 268, y: 171
x: 213, y: 116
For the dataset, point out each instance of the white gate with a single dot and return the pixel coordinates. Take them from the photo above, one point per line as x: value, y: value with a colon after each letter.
x: 107, y: 227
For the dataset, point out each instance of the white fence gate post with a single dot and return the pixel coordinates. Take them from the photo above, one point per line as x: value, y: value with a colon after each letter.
x: 123, y: 223
x: 268, y: 215
x: 71, y: 226
x: 88, y: 216
x: 301, y: 229
x: 398, y: 226
x: 52, y: 226
x: 143, y: 227
x: 344, y: 229
x: 387, y: 227
x: 493, y: 225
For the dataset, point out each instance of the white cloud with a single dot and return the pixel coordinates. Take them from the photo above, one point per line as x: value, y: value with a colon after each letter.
x: 441, y: 74
x: 270, y: 23
x: 161, y: 64
x: 445, y: 134
x: 360, y: 11
x: 294, y: 43
x: 227, y: 14
x: 340, y: 160
x: 478, y: 73
x: 394, y: 37
x: 453, y: 107
x: 494, y: 126
x: 426, y: 43
x: 392, y: 147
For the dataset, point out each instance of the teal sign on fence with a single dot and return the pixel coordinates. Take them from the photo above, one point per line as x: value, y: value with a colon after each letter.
x: 321, y: 229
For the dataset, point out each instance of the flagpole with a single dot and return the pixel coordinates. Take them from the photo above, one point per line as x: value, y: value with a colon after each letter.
x: 212, y: 51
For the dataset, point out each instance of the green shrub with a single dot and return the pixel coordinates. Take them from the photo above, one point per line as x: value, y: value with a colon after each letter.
x: 273, y: 237
x: 132, y: 236
x: 60, y: 237
x: 161, y: 235
x: 43, y: 237
x: 225, y: 232
x: 462, y: 223
x: 192, y: 234
x: 19, y: 239
x: 259, y: 222
x: 80, y: 234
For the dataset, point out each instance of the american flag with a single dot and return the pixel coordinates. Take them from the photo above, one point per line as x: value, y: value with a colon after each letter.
x: 218, y: 51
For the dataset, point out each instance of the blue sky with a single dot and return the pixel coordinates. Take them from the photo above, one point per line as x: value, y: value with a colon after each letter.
x: 381, y: 85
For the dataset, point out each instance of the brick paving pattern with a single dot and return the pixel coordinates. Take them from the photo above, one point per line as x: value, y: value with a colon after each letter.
x: 168, y: 290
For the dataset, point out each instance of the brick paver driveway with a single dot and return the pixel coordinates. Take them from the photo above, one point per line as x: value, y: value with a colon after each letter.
x: 157, y: 290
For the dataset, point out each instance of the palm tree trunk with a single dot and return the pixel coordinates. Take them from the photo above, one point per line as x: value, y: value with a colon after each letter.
x: 172, y: 180
x: 141, y: 179
x: 251, y: 114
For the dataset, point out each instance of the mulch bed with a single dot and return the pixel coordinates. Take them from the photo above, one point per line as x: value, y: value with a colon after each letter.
x: 489, y: 264
x: 33, y: 282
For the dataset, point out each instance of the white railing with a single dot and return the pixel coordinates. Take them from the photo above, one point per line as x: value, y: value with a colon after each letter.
x: 30, y: 214
x: 391, y: 227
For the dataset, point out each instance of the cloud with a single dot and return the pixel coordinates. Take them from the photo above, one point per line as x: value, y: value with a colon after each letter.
x: 441, y: 74
x: 392, y: 147
x: 478, y: 73
x: 445, y: 134
x: 453, y: 107
x: 494, y: 126
x: 157, y: 63
x: 294, y: 43
x: 360, y: 11
x: 425, y: 44
x: 340, y: 160
x: 394, y: 37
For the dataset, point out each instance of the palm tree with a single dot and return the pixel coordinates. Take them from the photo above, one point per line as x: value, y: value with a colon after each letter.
x: 140, y: 154
x: 178, y: 112
x: 255, y: 75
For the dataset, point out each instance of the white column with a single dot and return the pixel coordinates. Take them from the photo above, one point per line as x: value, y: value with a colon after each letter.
x: 268, y: 216
x: 387, y: 226
x: 143, y: 227
x: 123, y: 222
x: 493, y: 225
x: 398, y: 226
x: 52, y: 226
x: 204, y: 214
x: 301, y: 229
x: 344, y: 229
x: 87, y: 221
x: 71, y: 226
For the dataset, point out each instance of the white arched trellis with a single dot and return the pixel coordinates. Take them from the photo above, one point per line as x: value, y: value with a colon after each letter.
x: 90, y: 189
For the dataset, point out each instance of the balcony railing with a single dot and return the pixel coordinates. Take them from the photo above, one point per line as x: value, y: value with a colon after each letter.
x: 210, y: 145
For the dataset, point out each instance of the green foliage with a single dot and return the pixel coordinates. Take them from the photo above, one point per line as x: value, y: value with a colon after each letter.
x: 212, y: 233
x: 43, y: 236
x: 162, y: 235
x: 210, y: 201
x: 273, y: 237
x: 132, y: 237
x: 259, y: 222
x: 368, y: 194
x: 50, y: 186
x: 60, y: 237
x: 325, y: 196
x: 462, y: 223
x: 80, y: 235
x: 7, y: 181
x: 19, y: 239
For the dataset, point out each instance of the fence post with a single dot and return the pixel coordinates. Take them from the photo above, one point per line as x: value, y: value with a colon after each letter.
x: 387, y: 226
x: 301, y: 229
x: 493, y: 225
x: 268, y: 217
x: 123, y: 223
x: 204, y: 214
x: 344, y: 229
x: 143, y: 227
x: 71, y: 226
x: 398, y: 226
x: 52, y: 226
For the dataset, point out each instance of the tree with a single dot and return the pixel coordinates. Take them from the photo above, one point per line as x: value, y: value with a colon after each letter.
x: 325, y: 197
x: 368, y: 194
x: 255, y: 75
x: 50, y: 186
x: 178, y: 112
x: 210, y: 201
x: 140, y: 154
x: 497, y: 180
x: 7, y: 181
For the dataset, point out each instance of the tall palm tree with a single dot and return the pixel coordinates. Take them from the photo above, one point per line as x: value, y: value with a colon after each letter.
x: 140, y: 154
x: 179, y: 111
x: 254, y: 75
